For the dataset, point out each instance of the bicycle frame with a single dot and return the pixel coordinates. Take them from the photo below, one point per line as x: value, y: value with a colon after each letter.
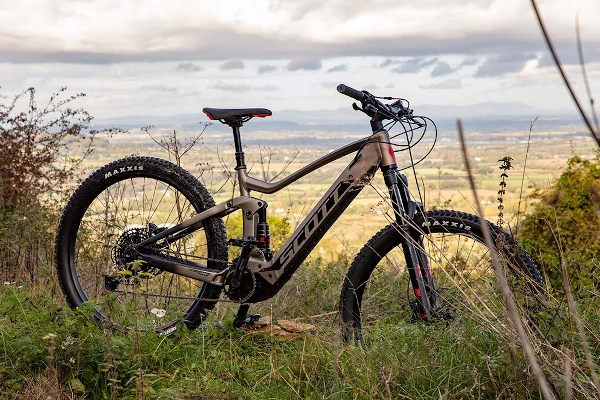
x: 373, y: 152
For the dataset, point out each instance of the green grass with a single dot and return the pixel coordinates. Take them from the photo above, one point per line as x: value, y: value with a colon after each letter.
x: 402, y: 360
x: 405, y: 361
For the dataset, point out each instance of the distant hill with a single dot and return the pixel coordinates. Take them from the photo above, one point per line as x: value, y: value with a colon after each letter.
x: 488, y: 116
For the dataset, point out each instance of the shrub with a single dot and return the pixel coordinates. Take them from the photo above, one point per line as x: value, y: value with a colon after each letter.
x: 41, y: 148
x: 565, y: 225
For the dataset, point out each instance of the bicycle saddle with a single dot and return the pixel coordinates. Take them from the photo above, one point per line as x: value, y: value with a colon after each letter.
x: 229, y: 113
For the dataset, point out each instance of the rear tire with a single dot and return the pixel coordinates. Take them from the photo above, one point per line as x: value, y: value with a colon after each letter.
x: 375, y: 290
x: 118, y: 205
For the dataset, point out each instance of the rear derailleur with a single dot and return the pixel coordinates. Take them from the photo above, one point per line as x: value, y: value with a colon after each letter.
x: 127, y: 268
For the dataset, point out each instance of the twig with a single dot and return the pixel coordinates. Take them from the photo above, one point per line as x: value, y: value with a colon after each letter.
x: 584, y: 73
x: 523, y: 176
x: 511, y: 307
x: 595, y: 135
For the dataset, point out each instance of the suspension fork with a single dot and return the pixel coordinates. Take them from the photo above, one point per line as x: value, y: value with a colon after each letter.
x: 417, y: 261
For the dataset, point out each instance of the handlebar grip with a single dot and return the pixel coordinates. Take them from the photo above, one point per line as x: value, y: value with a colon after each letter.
x: 350, y: 92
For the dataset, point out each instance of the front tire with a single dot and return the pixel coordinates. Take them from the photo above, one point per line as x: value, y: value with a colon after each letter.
x: 375, y: 290
x: 119, y: 205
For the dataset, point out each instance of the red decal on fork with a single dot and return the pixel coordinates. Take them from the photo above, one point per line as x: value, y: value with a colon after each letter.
x: 391, y: 152
x: 418, y: 292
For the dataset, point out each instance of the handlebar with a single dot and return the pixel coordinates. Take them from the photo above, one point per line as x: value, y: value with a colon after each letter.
x: 372, y: 106
x: 350, y: 92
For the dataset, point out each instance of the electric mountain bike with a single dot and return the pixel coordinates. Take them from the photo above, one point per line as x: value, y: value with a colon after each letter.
x: 143, y: 240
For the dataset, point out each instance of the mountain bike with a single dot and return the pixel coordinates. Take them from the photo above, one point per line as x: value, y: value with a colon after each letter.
x: 144, y: 242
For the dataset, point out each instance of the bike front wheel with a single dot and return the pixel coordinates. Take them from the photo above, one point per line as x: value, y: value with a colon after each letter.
x: 375, y: 293
x: 117, y: 207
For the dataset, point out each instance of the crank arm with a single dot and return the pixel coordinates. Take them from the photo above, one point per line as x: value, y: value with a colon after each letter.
x: 187, y: 269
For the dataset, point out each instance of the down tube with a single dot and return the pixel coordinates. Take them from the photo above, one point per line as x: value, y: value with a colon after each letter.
x: 310, y: 232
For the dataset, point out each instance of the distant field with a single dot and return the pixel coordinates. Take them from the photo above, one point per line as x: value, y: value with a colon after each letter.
x: 441, y: 176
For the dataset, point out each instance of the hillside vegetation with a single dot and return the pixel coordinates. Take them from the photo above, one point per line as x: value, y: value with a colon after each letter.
x: 50, y: 351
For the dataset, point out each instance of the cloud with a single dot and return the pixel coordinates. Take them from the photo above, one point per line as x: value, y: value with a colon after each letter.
x: 440, y: 69
x: 503, y: 64
x: 161, y: 87
x: 188, y: 67
x: 241, y: 88
x: 468, y: 61
x: 229, y: 87
x: 567, y: 57
x: 338, y: 68
x: 447, y: 84
x: 263, y: 69
x: 100, y: 32
x: 231, y: 65
x: 389, y: 62
x: 413, y: 65
x: 309, y: 64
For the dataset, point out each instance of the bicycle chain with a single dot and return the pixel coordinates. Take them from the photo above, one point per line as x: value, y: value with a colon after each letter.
x: 206, y: 299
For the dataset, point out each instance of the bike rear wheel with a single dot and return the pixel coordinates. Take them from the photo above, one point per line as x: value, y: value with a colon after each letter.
x: 375, y: 293
x: 118, y: 206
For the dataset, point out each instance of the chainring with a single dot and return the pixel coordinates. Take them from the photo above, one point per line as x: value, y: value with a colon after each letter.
x: 240, y: 287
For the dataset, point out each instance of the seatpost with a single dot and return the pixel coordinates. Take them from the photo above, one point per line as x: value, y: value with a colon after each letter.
x: 239, y: 153
x: 240, y: 162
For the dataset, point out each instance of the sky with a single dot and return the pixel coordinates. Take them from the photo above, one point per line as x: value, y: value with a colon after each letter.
x: 143, y: 57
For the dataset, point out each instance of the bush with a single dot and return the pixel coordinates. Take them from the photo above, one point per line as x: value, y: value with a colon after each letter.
x: 565, y: 225
x: 41, y: 148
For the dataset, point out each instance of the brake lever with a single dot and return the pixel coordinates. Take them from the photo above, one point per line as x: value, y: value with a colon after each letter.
x: 357, y: 108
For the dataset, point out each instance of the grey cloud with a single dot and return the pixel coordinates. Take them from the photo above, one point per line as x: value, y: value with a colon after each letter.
x: 338, y: 68
x: 224, y: 44
x: 566, y: 57
x: 468, y: 61
x: 263, y: 69
x: 502, y: 64
x: 441, y: 68
x: 188, y: 67
x: 428, y: 62
x: 389, y: 62
x: 238, y: 88
x: 447, y: 84
x: 228, y: 87
x: 310, y: 64
x: 414, y: 65
x: 231, y: 65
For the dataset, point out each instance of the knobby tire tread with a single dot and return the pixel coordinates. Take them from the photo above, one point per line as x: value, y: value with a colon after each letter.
x: 388, y: 238
x: 153, y: 168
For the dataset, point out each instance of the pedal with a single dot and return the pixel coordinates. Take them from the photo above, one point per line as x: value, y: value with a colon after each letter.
x: 251, y: 320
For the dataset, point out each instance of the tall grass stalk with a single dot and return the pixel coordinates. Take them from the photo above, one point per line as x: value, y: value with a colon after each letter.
x: 510, y: 304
